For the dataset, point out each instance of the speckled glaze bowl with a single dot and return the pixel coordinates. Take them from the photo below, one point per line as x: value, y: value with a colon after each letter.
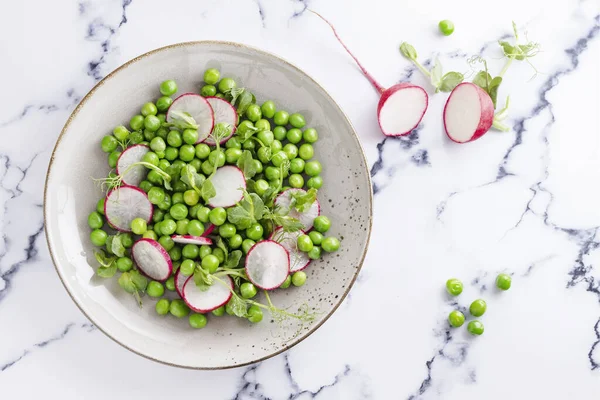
x: 70, y: 195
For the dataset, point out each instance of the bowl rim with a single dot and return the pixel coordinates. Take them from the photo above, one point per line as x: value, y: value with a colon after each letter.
x: 104, y: 80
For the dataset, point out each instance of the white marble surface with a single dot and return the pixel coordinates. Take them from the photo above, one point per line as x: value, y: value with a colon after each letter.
x: 524, y: 202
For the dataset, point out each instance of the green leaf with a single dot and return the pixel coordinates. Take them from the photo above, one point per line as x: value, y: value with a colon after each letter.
x: 302, y: 201
x: 221, y: 131
x: 126, y: 282
x: 208, y: 190
x: 190, y: 177
x: 102, y: 259
x: 202, y: 279
x: 482, y: 79
x: 240, y: 217
x: 258, y: 206
x: 238, y: 306
x: 107, y: 272
x: 507, y: 48
x: 233, y: 94
x: 182, y: 120
x: 436, y: 74
x: 408, y: 51
x: 221, y: 245
x: 246, y: 165
x: 493, y: 89
x: 117, y: 247
x: 450, y: 81
x: 244, y: 100
x: 139, y: 281
x: 234, y: 259
x: 269, y: 195
x: 280, y: 218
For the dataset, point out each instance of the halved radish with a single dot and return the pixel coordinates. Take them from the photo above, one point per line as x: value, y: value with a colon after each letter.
x: 223, y: 111
x: 401, y: 107
x: 130, y: 156
x: 305, y: 218
x: 201, y: 301
x: 289, y: 240
x: 267, y: 264
x: 198, y: 108
x: 180, y: 280
x: 152, y: 259
x: 209, y: 229
x: 124, y: 204
x: 468, y: 114
x: 228, y: 182
x: 189, y: 239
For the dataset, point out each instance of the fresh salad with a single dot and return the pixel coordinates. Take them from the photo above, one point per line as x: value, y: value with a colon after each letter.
x: 213, y: 198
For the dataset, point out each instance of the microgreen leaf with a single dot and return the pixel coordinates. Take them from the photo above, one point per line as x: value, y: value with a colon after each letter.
x: 493, y: 88
x: 208, y: 190
x: 482, y: 79
x: 126, y: 282
x: 450, y: 81
x: 408, y: 51
x: 238, y: 307
x: 244, y: 101
x: 241, y: 217
x: 302, y: 201
x: 190, y: 177
x: 202, y: 278
x: 234, y: 259
x: 182, y: 120
x: 139, y: 280
x: 116, y: 247
x: 107, y: 272
x: 108, y: 265
x: 233, y: 94
x: 221, y: 245
x: 245, y: 164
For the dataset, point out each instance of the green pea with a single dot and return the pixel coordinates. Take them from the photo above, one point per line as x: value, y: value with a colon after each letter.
x: 456, y: 318
x: 187, y: 267
x: 268, y: 109
x: 197, y: 164
x: 245, y: 126
x: 211, y: 76
x: 276, y: 146
x: 454, y: 286
x: 168, y: 227
x: 182, y: 227
x: 146, y: 186
x: 178, y: 211
x: 255, y: 232
x: 316, y: 237
x: 168, y: 88
x: 95, y: 220
x: 136, y: 137
x: 257, y: 166
x: 191, y: 197
x: 152, y: 123
x: 503, y: 281
x: 249, y: 145
x: 162, y: 307
x: 187, y: 152
x: 175, y: 253
x: 208, y: 90
x: 248, y: 290
x: 163, y: 103
x: 158, y: 144
x: 279, y: 158
x: 261, y: 186
x: 233, y: 143
x: 210, y: 263
x: 315, y: 182
x: 313, y: 168
x: 158, y: 215
x: 322, y: 223
x: 195, y: 228
x: 179, y: 309
x: 220, y: 95
x: 113, y: 158
x: 174, y: 139
x: 109, y: 143
x: 253, y: 112
x: 190, y: 251
x: 286, y: 284
x: 279, y: 132
x: 220, y: 254
x: 202, y: 151
x: 265, y: 136
x: 205, y: 251
x: 226, y: 84
x: 297, y: 166
x: 219, y: 312
x: 197, y: 321
x: 232, y: 155
x: 207, y: 167
x: 203, y: 214
x: 98, y: 237
x: 296, y: 181
x: 171, y: 153
x: 155, y: 289
x: 281, y: 118
x: 217, y: 157
x: 298, y: 278
x: 170, y: 284
x: 294, y: 135
x: 190, y: 136
x: 255, y: 314
x: 291, y: 151
x: 100, y: 206
x: 264, y: 154
x: 121, y: 133
x: 310, y: 135
x: 149, y: 134
x: 306, y: 151
x: 477, y: 308
x: 304, y: 243
x: 136, y: 122
x: 124, y: 264
x: 139, y: 226
x: 151, y: 158
x: 297, y: 120
x: 235, y: 241
x: 330, y: 244
x: 217, y: 216
x: 475, y: 328
x: 126, y: 240
x: 149, y: 109
x: 446, y: 27
x: 166, y: 242
x: 227, y: 230
x: 247, y: 245
x: 156, y: 195
x: 149, y: 234
x: 180, y: 187
x: 314, y: 253
x: 263, y: 125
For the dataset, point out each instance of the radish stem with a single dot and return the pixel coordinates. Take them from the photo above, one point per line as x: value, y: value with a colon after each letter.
x: 376, y: 84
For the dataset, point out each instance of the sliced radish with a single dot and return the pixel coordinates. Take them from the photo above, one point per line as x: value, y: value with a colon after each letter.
x: 201, y: 301
x: 124, y: 204
x: 130, y: 156
x: 189, y: 239
x: 468, y: 114
x: 289, y: 240
x: 267, y: 264
x: 223, y: 111
x: 198, y: 108
x: 228, y: 182
x: 401, y: 107
x: 209, y: 229
x: 180, y: 280
x: 152, y: 259
x: 305, y: 218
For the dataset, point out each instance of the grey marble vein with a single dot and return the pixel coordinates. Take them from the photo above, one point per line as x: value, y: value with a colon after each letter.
x: 595, y: 364
x: 261, y: 12
x: 299, y: 13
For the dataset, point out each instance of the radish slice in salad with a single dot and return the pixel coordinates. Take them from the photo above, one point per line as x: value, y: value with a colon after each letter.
x: 306, y: 218
x: 180, y: 280
x: 130, y: 156
x: 124, y: 204
x: 209, y: 229
x: 223, y: 111
x: 198, y: 108
x: 204, y: 301
x: 228, y: 182
x: 289, y: 240
x: 152, y: 259
x: 267, y: 264
x: 189, y: 239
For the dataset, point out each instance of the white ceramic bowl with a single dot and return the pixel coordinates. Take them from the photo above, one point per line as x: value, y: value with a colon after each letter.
x: 70, y: 195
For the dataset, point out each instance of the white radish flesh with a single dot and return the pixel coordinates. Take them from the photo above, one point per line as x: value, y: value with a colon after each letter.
x: 180, y: 280
x: 289, y: 240
x: 267, y: 264
x: 132, y: 155
x: 228, y: 182
x: 198, y: 108
x: 223, y: 111
x: 124, y: 204
x: 189, y: 239
x: 306, y: 218
x: 205, y: 301
x: 401, y: 109
x: 152, y: 259
x: 468, y: 114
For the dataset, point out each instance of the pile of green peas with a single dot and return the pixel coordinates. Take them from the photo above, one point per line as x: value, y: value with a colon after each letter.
x: 181, y: 211
x: 477, y: 308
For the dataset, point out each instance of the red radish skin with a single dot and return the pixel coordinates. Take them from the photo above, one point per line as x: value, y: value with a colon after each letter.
x: 401, y: 107
x: 228, y: 181
x: 306, y: 218
x: 152, y: 259
x: 120, y: 215
x: 205, y: 301
x: 180, y: 281
x: 209, y: 229
x: 189, y: 239
x: 299, y: 260
x: 132, y: 155
x: 199, y: 108
x: 223, y: 111
x: 468, y: 114
x: 276, y: 257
